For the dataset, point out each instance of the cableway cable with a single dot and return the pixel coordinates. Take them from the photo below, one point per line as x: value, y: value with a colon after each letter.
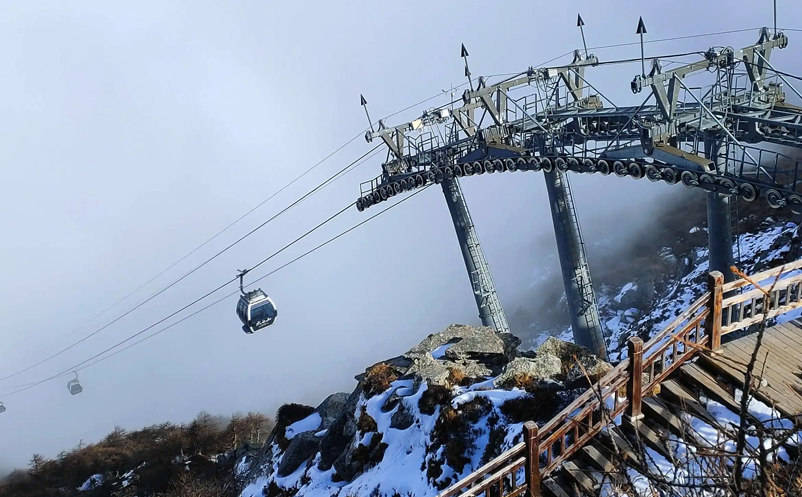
x: 321, y: 161
x: 307, y: 195
x: 88, y: 362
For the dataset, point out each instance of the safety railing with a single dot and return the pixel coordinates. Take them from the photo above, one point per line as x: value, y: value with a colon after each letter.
x: 620, y: 392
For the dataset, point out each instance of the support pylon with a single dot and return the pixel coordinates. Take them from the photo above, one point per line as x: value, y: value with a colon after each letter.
x: 490, y: 311
x: 719, y: 222
x: 582, y: 307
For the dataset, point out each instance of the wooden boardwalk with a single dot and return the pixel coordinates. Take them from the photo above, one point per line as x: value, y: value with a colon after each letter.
x: 778, y: 365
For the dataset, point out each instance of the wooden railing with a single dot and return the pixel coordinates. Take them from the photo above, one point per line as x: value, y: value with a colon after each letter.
x: 701, y: 325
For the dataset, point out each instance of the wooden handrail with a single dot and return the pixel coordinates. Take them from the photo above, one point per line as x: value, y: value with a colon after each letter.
x: 697, y: 327
x: 781, y: 285
x: 758, y: 277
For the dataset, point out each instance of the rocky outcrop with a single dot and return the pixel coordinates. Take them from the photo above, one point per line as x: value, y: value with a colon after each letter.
x: 423, y: 382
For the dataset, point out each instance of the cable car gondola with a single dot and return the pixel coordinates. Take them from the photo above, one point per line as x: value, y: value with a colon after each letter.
x: 255, y: 309
x: 74, y: 386
x: 2, y: 408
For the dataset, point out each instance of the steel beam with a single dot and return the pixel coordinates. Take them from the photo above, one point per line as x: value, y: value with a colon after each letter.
x: 484, y: 290
x: 582, y: 307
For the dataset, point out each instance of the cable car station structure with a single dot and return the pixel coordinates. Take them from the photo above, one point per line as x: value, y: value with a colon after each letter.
x: 554, y: 120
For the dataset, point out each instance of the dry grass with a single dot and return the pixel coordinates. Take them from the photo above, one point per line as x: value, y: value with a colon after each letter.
x: 784, y: 480
x: 435, y: 395
x: 457, y: 377
x: 454, y: 432
x: 366, y: 423
x: 378, y: 379
x: 524, y: 381
x: 531, y: 407
x: 498, y: 432
x: 189, y: 485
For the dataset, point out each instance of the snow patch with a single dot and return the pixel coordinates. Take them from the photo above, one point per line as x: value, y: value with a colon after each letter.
x: 441, y: 350
x: 93, y: 481
x: 309, y: 423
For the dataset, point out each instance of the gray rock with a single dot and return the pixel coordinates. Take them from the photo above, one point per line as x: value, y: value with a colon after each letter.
x: 345, y: 466
x: 340, y: 433
x: 425, y: 368
x: 301, y: 448
x: 469, y: 342
x: 563, y: 350
x: 593, y: 366
x: 333, y: 443
x: 400, y: 364
x: 542, y: 367
x: 332, y: 408
x: 402, y: 418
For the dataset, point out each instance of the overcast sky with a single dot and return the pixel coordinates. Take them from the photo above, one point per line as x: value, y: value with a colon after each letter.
x: 132, y: 132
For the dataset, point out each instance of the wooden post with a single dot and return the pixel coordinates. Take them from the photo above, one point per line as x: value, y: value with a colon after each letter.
x: 715, y: 282
x: 635, y: 381
x: 532, y: 468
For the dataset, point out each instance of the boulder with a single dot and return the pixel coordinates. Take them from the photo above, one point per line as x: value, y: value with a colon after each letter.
x: 470, y: 342
x: 301, y: 448
x: 593, y: 366
x: 562, y: 350
x: 541, y: 368
x: 332, y: 408
x: 333, y: 443
x: 340, y: 432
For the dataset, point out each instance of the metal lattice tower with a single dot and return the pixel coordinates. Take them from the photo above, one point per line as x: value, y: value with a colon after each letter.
x: 699, y: 135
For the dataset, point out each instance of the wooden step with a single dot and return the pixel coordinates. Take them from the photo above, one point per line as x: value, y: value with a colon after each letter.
x: 711, y: 387
x: 596, y: 459
x: 551, y: 487
x: 766, y: 394
x: 612, y: 438
x: 660, y: 415
x: 677, y: 394
x: 649, y: 435
x: 577, y: 475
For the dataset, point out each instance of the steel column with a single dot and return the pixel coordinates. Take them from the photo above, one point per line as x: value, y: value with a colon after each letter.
x: 484, y: 290
x: 719, y: 221
x: 585, y: 323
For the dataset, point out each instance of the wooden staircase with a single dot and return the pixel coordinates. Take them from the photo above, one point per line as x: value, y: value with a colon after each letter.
x: 576, y: 452
x: 684, y: 392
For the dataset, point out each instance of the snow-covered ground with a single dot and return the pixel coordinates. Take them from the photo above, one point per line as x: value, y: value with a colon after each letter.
x: 399, y: 471
x: 757, y: 249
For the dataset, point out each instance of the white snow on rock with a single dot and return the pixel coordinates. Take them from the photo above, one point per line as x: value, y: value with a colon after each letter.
x: 441, y: 350
x: 309, y: 423
x: 93, y: 481
x: 628, y: 287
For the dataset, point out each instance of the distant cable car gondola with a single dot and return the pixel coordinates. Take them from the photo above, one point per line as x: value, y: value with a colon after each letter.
x: 74, y: 386
x: 255, y: 309
x: 2, y: 408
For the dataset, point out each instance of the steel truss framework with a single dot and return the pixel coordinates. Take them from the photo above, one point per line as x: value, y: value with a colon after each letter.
x: 548, y: 120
